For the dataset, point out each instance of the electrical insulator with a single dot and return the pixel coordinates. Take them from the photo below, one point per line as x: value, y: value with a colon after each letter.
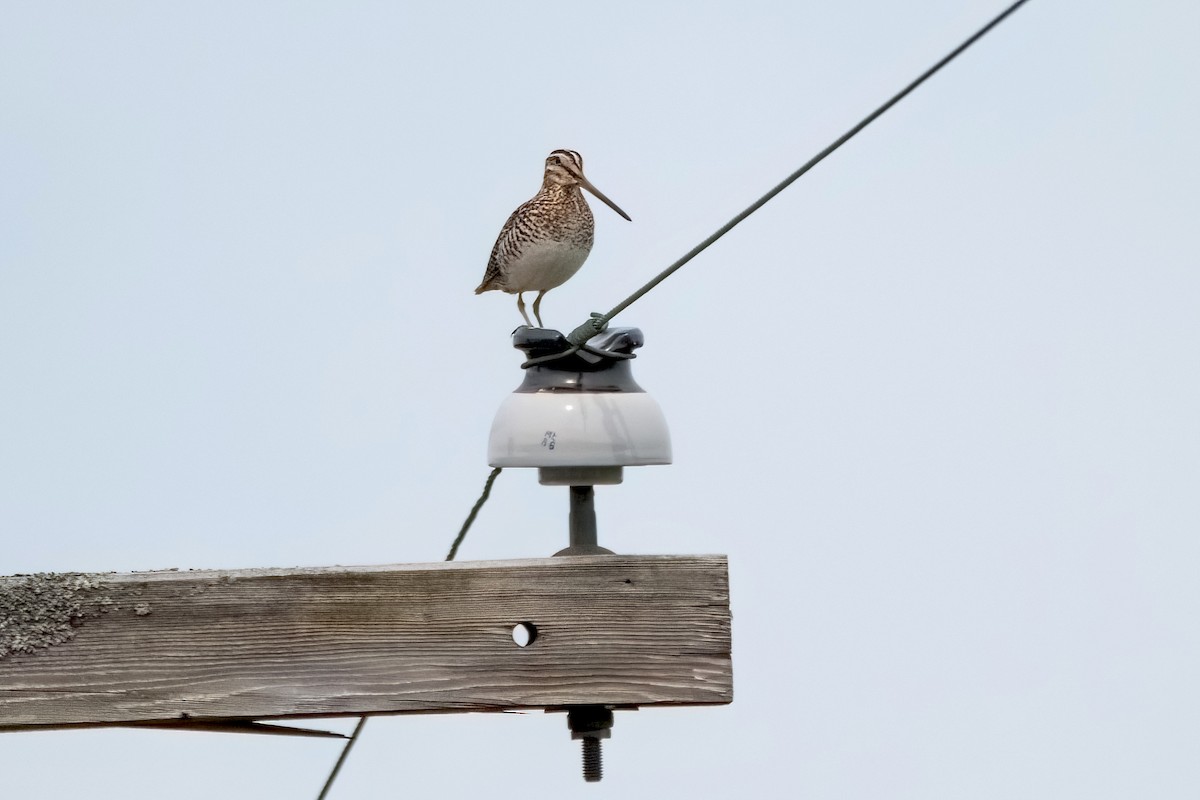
x: 579, y: 419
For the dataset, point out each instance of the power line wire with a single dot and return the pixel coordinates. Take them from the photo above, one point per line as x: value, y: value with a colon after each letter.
x: 342, y: 758
x: 462, y: 534
x: 598, y: 322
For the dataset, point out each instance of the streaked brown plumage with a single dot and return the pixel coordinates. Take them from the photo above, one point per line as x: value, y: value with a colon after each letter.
x: 547, y: 239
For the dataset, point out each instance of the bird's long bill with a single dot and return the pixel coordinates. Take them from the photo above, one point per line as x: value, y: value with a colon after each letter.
x: 585, y: 183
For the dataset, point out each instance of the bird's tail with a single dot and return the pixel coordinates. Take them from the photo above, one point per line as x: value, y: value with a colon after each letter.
x: 489, y: 284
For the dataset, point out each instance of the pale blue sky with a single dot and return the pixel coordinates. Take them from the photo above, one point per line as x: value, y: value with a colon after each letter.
x: 938, y: 401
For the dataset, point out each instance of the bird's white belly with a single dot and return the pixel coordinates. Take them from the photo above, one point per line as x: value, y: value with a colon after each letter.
x: 543, y: 266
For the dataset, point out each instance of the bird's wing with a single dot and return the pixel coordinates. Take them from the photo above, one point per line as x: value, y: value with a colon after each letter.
x: 506, y: 245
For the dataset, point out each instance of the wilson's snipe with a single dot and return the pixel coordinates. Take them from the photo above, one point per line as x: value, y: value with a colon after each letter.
x: 547, y: 239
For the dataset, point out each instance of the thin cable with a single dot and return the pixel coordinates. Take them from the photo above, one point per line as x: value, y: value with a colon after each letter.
x: 466, y: 526
x: 598, y: 322
x: 341, y: 759
x: 462, y: 534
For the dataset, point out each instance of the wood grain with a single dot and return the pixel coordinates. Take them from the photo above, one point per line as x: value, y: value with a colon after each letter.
x: 260, y: 644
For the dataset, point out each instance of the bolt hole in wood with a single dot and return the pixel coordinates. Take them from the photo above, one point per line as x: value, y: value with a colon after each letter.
x: 524, y: 633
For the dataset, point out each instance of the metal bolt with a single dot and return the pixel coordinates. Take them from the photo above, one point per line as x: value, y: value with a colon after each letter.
x: 590, y: 724
x: 593, y: 770
x: 582, y: 525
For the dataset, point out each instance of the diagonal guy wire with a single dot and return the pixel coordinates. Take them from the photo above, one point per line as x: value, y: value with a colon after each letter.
x: 598, y: 322
x: 462, y: 534
x: 466, y: 526
x: 345, y: 752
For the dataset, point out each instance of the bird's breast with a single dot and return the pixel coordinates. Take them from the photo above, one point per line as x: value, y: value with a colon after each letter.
x: 544, y: 264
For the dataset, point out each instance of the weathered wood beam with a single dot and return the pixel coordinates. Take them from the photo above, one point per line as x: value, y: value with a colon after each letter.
x: 222, y: 646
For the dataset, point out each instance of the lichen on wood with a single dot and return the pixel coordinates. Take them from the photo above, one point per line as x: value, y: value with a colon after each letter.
x: 43, y: 610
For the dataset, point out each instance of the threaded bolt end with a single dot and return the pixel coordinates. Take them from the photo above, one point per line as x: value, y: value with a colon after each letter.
x: 592, y: 769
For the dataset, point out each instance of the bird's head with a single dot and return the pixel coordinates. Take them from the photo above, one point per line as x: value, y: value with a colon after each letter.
x: 565, y: 168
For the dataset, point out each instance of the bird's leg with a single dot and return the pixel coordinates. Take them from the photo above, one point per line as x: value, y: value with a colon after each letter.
x: 521, y: 308
x: 537, y: 303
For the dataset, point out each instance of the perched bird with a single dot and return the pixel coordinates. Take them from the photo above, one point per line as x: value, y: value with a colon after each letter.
x: 547, y: 239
